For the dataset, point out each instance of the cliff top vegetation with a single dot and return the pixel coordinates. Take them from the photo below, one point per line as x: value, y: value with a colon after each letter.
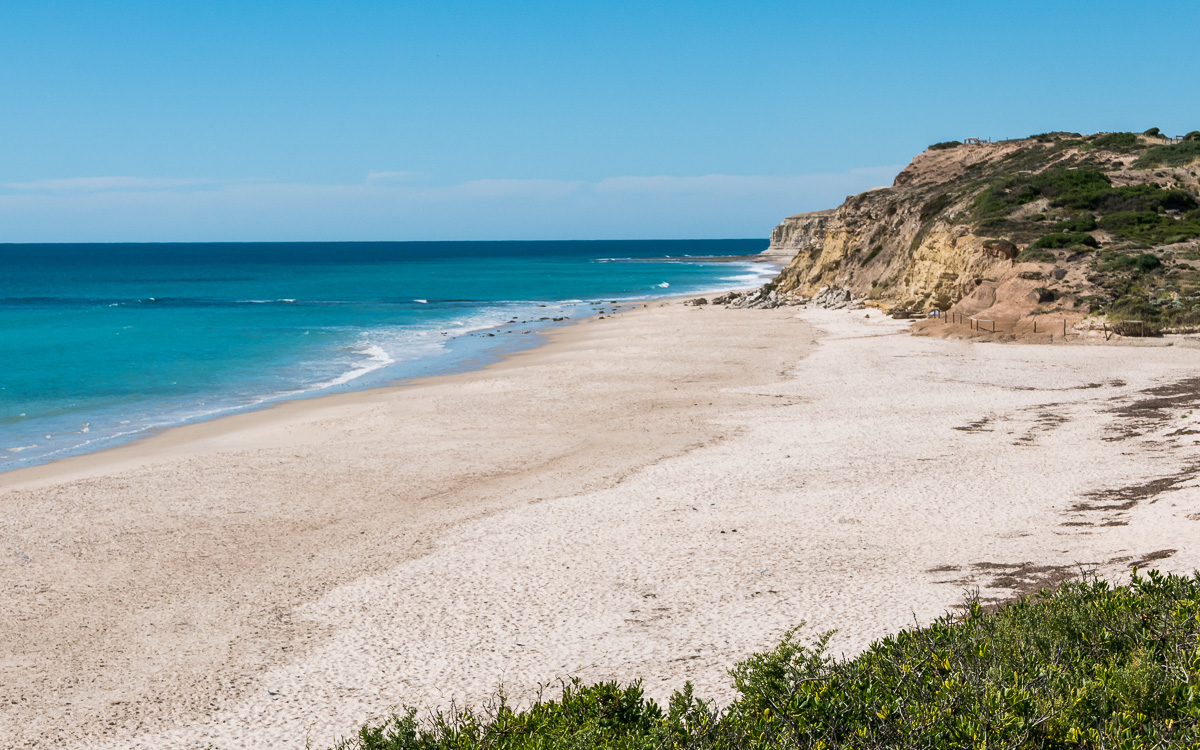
x: 1109, y: 224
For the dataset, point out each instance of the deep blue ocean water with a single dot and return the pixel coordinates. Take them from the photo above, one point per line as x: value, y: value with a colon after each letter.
x: 101, y: 343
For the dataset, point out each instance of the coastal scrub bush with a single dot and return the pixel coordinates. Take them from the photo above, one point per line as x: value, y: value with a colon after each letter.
x: 1064, y: 187
x: 1151, y: 228
x: 1053, y: 136
x: 1081, y: 223
x: 1169, y: 155
x: 1089, y: 666
x: 1036, y: 255
x: 936, y: 205
x: 1126, y: 198
x: 1152, y: 132
x: 945, y: 145
x: 1065, y: 239
x: 1120, y: 142
x: 1079, y: 189
x: 1141, y: 262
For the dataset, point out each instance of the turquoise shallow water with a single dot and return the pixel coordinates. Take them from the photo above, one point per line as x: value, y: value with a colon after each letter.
x: 102, y: 343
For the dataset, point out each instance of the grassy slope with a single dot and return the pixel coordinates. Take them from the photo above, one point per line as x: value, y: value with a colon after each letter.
x: 1090, y: 666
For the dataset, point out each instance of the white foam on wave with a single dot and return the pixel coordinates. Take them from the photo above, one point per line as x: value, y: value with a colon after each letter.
x: 377, y: 349
x: 758, y: 273
x: 377, y: 359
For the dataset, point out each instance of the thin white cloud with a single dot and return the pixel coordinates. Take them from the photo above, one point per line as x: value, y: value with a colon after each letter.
x: 504, y: 189
x: 111, y: 183
x: 155, y: 209
x: 725, y: 183
x: 386, y: 176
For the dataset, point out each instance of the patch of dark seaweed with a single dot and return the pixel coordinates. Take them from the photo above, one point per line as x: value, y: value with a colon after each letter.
x: 1155, y: 407
x: 1124, y: 498
x: 979, y: 425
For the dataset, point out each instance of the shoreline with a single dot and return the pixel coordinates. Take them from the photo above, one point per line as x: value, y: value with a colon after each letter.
x: 177, y: 530
x: 652, y: 495
x: 469, y: 357
x: 168, y: 439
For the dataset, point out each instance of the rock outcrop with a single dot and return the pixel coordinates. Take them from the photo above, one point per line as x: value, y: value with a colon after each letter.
x: 888, y: 245
x: 1002, y: 215
x: 767, y: 297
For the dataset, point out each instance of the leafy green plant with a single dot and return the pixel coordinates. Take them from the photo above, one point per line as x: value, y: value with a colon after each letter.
x: 1141, y: 262
x: 1169, y: 155
x: 1150, y: 228
x: 936, y: 205
x: 1081, y: 223
x: 1053, y: 136
x: 1120, y: 142
x: 1065, y: 239
x: 945, y: 145
x: 1036, y: 255
x: 1089, y: 666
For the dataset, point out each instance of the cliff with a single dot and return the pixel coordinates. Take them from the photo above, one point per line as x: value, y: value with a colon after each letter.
x: 1052, y: 223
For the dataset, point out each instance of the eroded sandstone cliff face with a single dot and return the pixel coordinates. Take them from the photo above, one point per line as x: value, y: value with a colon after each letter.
x: 892, y: 244
x: 1105, y: 224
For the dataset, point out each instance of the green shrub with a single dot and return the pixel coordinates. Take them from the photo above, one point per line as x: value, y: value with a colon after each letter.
x: 1081, y: 223
x: 1078, y: 189
x: 1120, y: 142
x: 1192, y: 137
x: 936, y: 205
x: 1090, y: 666
x: 1053, y: 136
x: 1150, y: 228
x: 1142, y: 262
x: 1127, y: 198
x: 1130, y: 222
x: 992, y: 203
x: 945, y: 145
x: 1036, y: 255
x: 1065, y: 239
x: 1062, y: 183
x: 1152, y: 132
x: 1003, y: 195
x: 1169, y: 155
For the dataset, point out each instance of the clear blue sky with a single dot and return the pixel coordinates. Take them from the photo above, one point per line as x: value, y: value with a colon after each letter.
x: 186, y: 120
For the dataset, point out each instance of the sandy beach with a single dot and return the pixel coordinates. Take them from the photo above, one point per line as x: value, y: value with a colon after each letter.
x: 652, y: 495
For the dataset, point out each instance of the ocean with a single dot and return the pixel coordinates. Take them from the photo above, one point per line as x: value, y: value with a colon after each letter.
x: 103, y: 343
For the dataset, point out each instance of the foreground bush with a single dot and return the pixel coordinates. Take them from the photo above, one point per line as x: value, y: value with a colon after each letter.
x: 1091, y: 666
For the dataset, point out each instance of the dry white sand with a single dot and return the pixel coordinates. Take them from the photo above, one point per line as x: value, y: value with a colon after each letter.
x: 654, y: 495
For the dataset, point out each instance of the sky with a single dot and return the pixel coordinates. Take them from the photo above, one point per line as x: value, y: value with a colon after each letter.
x: 360, y: 120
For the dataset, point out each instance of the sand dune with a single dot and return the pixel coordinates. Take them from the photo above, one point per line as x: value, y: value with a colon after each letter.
x: 654, y: 495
